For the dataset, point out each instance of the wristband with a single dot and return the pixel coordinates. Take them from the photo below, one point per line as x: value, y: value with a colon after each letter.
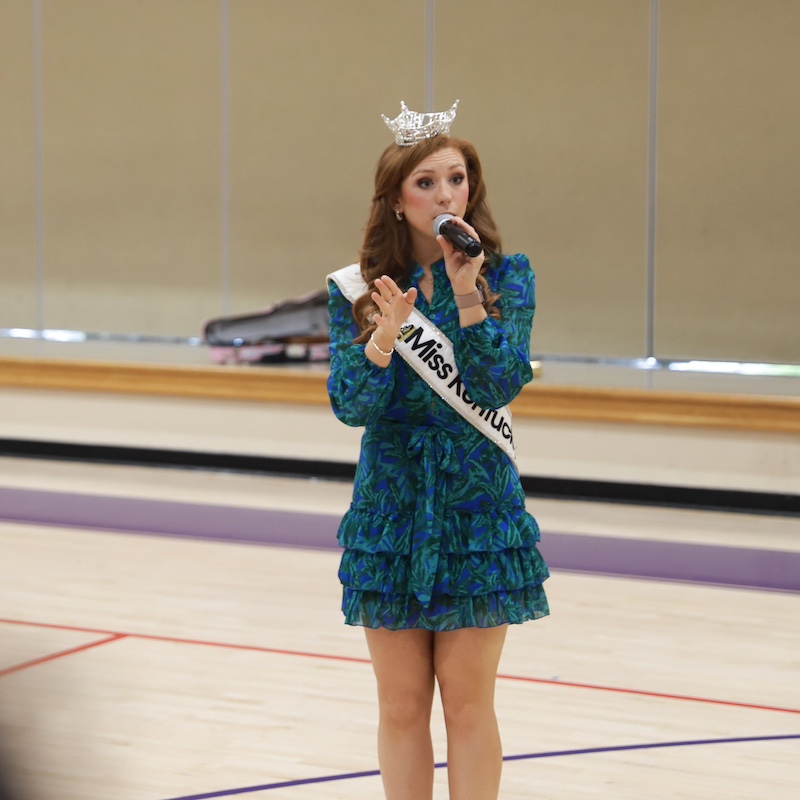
x: 469, y: 300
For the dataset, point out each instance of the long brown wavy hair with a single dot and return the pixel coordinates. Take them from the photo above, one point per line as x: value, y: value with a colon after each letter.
x: 386, y: 249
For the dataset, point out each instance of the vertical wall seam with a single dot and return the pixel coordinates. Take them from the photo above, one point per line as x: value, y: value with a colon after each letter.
x: 38, y: 161
x: 225, y: 171
x: 652, y: 141
x: 429, y: 32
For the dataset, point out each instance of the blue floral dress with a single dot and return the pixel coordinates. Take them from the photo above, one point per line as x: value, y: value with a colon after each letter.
x: 437, y: 535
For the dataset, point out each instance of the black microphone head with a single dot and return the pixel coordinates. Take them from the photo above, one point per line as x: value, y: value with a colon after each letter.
x: 439, y: 221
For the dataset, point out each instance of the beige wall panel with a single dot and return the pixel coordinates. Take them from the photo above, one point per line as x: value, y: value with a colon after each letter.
x: 309, y: 82
x: 555, y: 95
x: 132, y: 164
x: 729, y: 180
x: 17, y: 176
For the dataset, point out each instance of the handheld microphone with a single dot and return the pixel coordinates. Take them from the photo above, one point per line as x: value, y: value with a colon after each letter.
x: 458, y: 237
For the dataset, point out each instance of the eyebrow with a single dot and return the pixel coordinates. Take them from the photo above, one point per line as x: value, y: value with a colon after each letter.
x: 452, y: 165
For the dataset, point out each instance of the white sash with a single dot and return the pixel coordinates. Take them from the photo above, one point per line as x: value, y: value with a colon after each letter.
x: 430, y: 354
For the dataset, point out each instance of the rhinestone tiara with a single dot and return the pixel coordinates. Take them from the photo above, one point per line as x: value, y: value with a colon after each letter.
x: 413, y: 126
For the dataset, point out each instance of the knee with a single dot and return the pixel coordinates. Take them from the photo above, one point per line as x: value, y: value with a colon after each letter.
x: 463, y: 712
x: 405, y: 710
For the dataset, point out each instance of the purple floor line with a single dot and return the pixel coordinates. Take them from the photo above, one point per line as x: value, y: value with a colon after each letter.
x: 522, y: 757
x: 679, y: 561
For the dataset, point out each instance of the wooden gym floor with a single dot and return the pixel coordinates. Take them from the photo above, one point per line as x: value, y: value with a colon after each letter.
x: 172, y: 634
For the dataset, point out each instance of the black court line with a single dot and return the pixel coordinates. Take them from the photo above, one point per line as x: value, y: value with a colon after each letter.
x: 735, y: 500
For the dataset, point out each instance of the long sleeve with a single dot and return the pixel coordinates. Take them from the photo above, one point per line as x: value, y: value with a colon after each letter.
x: 359, y: 390
x: 493, y: 356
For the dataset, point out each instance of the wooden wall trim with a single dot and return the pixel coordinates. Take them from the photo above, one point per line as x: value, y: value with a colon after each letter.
x: 308, y: 387
x: 242, y: 383
x: 651, y: 407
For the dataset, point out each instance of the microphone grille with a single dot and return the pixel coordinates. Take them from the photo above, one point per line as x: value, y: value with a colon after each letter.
x: 439, y: 221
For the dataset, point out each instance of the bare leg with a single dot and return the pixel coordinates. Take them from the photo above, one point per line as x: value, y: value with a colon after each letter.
x: 466, y: 663
x: 403, y: 664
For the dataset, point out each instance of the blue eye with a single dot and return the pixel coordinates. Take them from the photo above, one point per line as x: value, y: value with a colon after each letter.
x: 458, y: 178
x: 424, y: 183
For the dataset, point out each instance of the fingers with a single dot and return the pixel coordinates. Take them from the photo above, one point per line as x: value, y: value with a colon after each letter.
x: 385, y: 290
x: 383, y: 293
x: 393, y: 304
x: 462, y: 223
x: 456, y: 258
x: 447, y: 248
x: 389, y: 291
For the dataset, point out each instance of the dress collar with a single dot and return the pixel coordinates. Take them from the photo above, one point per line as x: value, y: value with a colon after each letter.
x: 417, y: 271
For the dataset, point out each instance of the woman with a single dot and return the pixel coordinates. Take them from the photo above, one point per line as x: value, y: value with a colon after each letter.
x: 439, y: 552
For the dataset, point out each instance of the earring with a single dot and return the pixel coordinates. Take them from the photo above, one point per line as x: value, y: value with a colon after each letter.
x: 399, y: 215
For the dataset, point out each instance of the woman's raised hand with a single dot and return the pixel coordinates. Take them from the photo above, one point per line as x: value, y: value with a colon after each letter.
x: 461, y: 269
x: 394, y: 306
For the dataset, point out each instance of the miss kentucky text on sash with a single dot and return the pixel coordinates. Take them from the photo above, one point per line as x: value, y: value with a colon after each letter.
x: 428, y: 347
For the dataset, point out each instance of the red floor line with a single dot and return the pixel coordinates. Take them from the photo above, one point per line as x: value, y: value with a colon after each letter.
x: 60, y: 654
x: 197, y: 642
x: 250, y: 647
x: 356, y: 660
x: 53, y: 626
x: 644, y: 693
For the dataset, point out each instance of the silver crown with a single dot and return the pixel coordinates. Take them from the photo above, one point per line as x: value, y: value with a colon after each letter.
x: 413, y: 126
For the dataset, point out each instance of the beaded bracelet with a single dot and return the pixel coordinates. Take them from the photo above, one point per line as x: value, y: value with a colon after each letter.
x: 375, y: 345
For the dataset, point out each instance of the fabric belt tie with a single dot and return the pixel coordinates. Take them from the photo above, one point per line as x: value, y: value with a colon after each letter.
x: 438, y: 452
